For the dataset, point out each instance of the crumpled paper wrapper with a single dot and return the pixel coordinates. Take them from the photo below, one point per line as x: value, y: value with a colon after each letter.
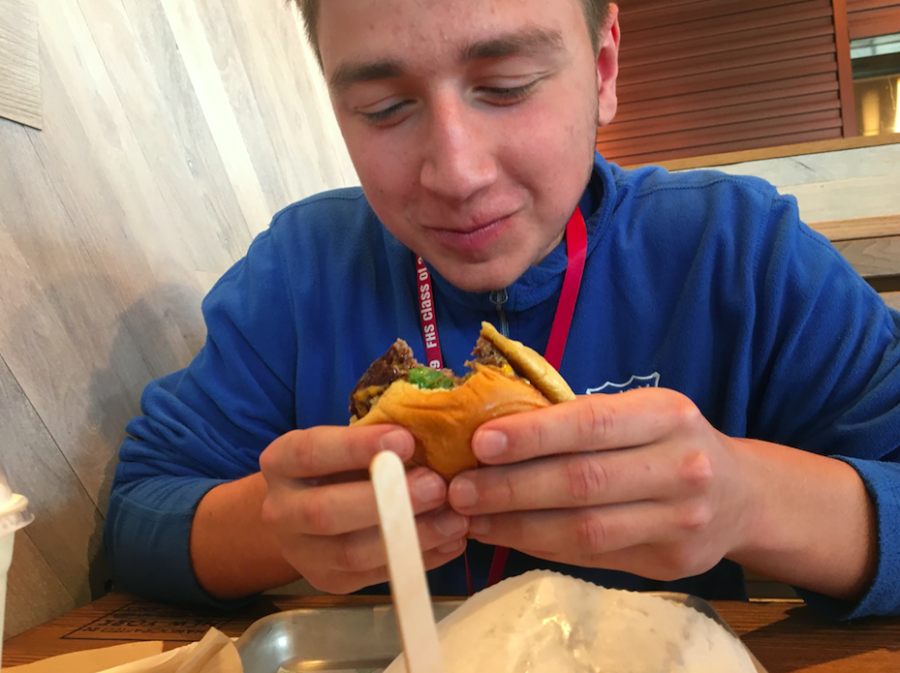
x: 214, y: 653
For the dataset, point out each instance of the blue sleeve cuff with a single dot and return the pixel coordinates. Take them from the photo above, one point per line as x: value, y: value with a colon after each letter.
x: 882, y: 481
x: 147, y: 538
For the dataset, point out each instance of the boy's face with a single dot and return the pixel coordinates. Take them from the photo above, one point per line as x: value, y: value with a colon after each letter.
x: 471, y: 123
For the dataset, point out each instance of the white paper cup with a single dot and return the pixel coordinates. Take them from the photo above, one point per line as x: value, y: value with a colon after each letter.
x: 14, y: 515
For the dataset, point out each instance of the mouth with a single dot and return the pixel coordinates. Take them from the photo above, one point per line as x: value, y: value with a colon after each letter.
x: 475, y: 237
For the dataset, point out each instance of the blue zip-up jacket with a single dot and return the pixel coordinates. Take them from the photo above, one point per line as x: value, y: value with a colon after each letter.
x: 701, y: 282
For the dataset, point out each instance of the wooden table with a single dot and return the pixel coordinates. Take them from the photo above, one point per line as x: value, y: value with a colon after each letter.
x: 785, y: 635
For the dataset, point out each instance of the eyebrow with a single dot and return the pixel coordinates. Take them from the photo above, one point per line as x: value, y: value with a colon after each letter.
x: 533, y: 41
x: 347, y: 74
x: 530, y: 41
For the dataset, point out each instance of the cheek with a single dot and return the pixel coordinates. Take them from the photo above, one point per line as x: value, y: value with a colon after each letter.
x: 546, y: 144
x: 559, y: 125
x: 385, y: 176
x: 384, y: 170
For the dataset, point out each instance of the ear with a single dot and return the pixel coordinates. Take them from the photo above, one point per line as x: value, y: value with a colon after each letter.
x: 608, y: 66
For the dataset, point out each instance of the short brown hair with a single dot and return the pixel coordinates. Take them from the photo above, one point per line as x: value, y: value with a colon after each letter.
x: 594, y: 13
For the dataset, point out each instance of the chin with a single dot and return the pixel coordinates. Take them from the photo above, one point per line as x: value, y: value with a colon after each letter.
x: 478, y: 279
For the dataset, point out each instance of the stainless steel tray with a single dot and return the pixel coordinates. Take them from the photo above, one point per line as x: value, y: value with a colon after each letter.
x: 352, y: 639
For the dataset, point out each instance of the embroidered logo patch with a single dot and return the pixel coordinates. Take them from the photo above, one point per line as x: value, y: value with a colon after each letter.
x: 651, y: 381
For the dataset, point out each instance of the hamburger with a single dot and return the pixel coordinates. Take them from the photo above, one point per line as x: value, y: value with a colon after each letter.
x: 443, y: 410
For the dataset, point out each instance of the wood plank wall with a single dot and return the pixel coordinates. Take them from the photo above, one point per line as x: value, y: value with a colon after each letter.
x: 173, y: 130
x: 20, y: 75
x: 870, y: 18
x: 708, y: 76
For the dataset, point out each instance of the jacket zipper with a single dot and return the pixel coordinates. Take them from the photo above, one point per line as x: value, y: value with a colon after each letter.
x: 498, y: 299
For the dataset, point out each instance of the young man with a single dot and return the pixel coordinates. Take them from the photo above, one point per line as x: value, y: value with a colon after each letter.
x: 749, y: 353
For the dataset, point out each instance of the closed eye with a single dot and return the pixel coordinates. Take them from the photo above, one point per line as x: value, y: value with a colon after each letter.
x: 381, y: 116
x: 508, y: 95
x: 494, y: 95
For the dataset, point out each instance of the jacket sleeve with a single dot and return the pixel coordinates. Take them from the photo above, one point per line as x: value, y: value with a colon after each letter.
x: 831, y: 384
x: 202, y: 426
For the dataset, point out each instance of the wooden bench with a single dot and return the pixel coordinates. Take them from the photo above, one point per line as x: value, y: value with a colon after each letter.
x: 872, y: 246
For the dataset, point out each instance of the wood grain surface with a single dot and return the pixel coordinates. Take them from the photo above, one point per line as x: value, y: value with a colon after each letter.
x: 870, y: 18
x: 714, y: 76
x: 786, y: 636
x: 172, y: 132
x: 777, y: 152
x: 20, y: 74
x: 40, y: 594
x: 863, y: 227
x: 844, y: 68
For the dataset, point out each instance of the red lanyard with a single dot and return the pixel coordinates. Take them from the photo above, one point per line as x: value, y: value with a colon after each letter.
x: 426, y: 316
x: 576, y: 249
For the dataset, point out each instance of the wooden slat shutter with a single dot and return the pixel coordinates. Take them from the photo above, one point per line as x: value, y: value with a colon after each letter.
x: 709, y: 76
x: 871, y: 18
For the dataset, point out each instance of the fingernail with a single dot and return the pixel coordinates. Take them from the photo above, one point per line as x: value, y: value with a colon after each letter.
x: 479, y: 525
x: 489, y: 444
x: 396, y: 441
x: 429, y: 488
x: 450, y: 524
x: 451, y: 547
x: 463, y: 493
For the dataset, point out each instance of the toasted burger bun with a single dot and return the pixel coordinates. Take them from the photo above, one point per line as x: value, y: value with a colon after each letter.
x: 443, y: 422
x: 530, y: 364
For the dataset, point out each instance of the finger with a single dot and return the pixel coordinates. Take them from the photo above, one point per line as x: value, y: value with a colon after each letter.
x: 585, y: 534
x: 363, y: 550
x: 328, y: 450
x: 580, y: 480
x: 642, y: 560
x: 336, y: 509
x: 437, y: 557
x: 338, y: 582
x: 630, y: 559
x: 589, y: 423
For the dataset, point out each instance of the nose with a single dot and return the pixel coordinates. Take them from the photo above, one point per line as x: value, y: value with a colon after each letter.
x: 458, y: 160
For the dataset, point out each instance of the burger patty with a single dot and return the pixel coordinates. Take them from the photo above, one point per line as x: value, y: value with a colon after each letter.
x: 486, y: 353
x: 397, y: 363
x: 390, y: 367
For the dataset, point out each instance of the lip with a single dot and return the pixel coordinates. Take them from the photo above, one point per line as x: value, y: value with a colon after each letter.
x: 474, y: 238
